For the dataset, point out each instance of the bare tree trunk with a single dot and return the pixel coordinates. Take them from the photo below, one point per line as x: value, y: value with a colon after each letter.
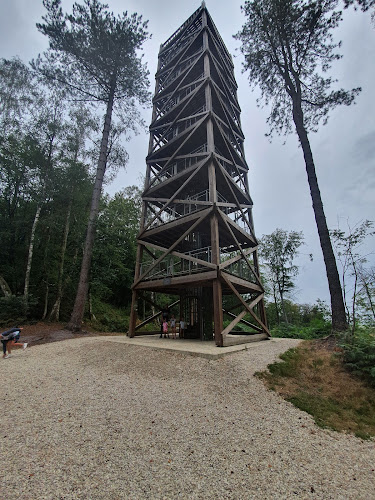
x: 276, y: 306
x: 5, y: 287
x: 75, y: 322
x: 91, y: 309
x: 46, y: 297
x: 46, y: 276
x: 339, y: 322
x: 283, y: 304
x: 30, y: 255
x: 55, y: 312
x: 368, y: 293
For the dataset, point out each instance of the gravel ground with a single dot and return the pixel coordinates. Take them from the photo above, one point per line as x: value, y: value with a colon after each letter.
x: 91, y: 419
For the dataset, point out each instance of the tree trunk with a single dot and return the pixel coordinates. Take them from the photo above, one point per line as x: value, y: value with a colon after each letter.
x: 339, y: 322
x: 276, y: 306
x: 368, y: 292
x: 75, y: 322
x: 30, y: 255
x: 55, y: 312
x: 5, y: 287
x: 283, y: 305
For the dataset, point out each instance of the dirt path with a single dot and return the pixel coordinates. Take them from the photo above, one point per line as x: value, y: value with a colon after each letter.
x: 44, y: 333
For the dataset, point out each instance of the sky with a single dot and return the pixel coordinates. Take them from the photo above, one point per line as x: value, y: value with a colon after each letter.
x: 344, y: 149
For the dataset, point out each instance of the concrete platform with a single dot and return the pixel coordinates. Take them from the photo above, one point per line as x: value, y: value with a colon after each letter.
x: 204, y: 349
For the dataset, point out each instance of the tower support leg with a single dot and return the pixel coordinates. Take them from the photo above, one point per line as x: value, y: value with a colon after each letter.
x: 133, y: 315
x: 218, y: 312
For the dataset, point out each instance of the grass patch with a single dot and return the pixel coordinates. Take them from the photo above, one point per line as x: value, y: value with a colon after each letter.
x: 315, y: 380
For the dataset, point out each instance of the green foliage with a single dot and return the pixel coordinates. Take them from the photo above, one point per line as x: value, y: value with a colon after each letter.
x: 359, y: 354
x: 288, y: 366
x: 109, y: 319
x: 288, y: 46
x: 115, y: 249
x: 278, y: 251
x: 95, y: 53
x: 357, y: 279
x: 314, y: 381
x: 364, y: 5
x: 305, y: 321
x: 14, y: 309
x: 317, y: 328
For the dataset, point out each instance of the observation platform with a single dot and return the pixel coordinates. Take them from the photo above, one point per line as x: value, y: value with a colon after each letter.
x: 205, y: 349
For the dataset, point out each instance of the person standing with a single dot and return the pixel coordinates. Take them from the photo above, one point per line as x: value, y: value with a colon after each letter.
x: 165, y: 328
x: 164, y: 318
x: 10, y: 339
x: 173, y: 326
x: 181, y: 332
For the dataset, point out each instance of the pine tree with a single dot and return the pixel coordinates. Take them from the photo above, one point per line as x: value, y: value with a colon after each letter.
x: 288, y: 46
x: 94, y: 54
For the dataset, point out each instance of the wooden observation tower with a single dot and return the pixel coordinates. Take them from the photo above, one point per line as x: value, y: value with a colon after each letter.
x: 196, y: 241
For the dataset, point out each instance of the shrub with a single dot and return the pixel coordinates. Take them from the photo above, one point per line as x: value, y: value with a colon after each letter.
x: 359, y: 354
x: 13, y: 309
x: 316, y: 329
x: 109, y: 318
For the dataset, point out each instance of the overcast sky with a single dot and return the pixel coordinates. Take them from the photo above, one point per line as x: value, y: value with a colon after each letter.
x: 344, y: 149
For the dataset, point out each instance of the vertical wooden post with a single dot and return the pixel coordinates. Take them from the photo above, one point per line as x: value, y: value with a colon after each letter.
x: 133, y: 310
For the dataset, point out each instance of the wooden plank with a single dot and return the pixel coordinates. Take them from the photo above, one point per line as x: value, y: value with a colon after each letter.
x: 252, y: 287
x: 177, y: 281
x: 186, y: 219
x: 182, y: 255
x: 218, y: 312
x: 231, y: 325
x: 248, y: 307
x: 133, y: 315
x: 194, y: 173
x: 239, y: 207
x: 247, y: 323
x: 243, y: 339
x: 180, y: 201
x: 228, y: 262
x: 225, y: 219
x: 188, y: 231
x: 151, y: 318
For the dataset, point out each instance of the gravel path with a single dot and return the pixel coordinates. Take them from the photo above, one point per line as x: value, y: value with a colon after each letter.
x: 92, y: 419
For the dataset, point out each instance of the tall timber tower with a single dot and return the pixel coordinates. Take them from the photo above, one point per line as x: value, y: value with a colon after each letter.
x: 196, y: 241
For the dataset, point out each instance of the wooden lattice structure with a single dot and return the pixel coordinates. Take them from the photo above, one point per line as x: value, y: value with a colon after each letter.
x: 196, y: 241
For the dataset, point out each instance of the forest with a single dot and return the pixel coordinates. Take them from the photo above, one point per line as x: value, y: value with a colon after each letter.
x: 64, y: 122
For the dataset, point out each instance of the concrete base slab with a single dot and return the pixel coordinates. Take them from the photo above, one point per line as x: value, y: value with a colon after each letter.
x: 204, y: 349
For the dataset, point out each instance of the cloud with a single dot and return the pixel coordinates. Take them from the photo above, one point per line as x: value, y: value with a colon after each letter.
x: 364, y: 148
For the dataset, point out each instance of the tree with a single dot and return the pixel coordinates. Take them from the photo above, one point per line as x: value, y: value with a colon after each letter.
x: 94, y: 54
x: 362, y: 4
x: 278, y: 251
x: 115, y: 249
x: 352, y: 263
x: 287, y: 45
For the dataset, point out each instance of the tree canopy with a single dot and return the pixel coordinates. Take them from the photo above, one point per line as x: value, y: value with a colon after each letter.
x: 288, y: 48
x: 94, y: 52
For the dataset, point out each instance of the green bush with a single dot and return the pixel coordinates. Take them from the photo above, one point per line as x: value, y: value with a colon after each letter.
x: 359, y: 354
x: 316, y: 329
x: 109, y: 318
x: 13, y: 310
